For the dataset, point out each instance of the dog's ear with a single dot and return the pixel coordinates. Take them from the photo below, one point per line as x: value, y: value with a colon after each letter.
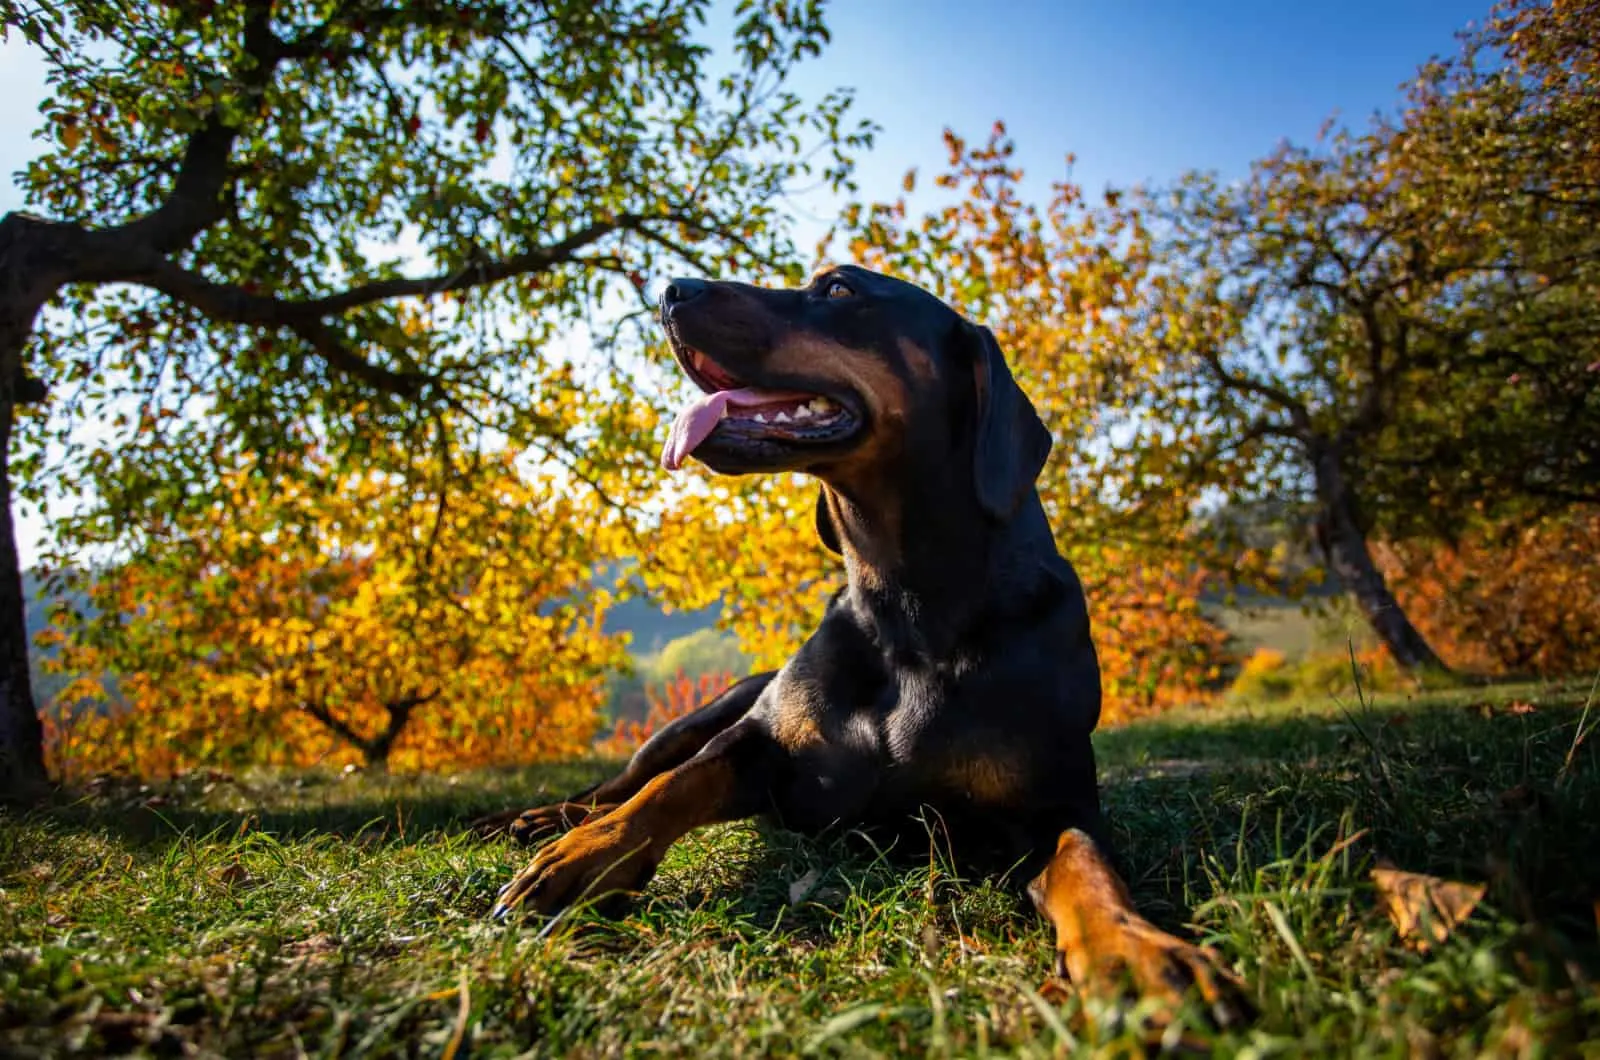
x: 825, y: 528
x: 1012, y: 443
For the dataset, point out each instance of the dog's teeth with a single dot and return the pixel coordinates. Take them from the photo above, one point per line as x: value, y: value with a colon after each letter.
x: 780, y: 417
x: 761, y: 417
x: 804, y: 412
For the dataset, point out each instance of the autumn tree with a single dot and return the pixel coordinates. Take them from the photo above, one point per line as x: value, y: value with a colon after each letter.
x: 1501, y: 143
x: 1369, y: 330
x: 336, y: 615
x: 283, y: 225
x: 1277, y: 333
x: 1395, y: 328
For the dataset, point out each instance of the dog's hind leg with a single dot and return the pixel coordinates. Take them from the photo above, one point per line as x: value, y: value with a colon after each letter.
x: 675, y: 744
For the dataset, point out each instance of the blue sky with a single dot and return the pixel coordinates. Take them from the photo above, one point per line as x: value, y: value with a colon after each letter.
x: 1139, y: 91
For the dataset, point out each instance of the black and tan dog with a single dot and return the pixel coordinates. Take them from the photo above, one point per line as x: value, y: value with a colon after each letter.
x: 952, y: 679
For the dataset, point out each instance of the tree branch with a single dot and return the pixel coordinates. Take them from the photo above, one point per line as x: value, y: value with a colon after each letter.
x: 476, y: 274
x: 307, y: 318
x: 1277, y: 395
x: 197, y: 200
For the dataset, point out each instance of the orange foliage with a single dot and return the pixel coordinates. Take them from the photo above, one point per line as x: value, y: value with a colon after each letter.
x: 675, y: 699
x: 1157, y: 648
x: 1507, y: 599
x: 347, y: 619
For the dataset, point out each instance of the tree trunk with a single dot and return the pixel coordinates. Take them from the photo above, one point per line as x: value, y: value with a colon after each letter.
x: 1345, y: 543
x: 26, y: 281
x: 377, y: 749
x: 22, y: 772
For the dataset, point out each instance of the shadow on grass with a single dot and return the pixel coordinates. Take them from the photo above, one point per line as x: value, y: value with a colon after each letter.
x: 1469, y: 786
x: 1502, y: 790
x: 151, y: 816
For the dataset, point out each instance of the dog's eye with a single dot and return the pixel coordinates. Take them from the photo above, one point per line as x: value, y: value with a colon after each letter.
x: 837, y: 289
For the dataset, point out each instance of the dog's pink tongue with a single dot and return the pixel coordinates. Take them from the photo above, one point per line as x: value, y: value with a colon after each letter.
x: 695, y: 423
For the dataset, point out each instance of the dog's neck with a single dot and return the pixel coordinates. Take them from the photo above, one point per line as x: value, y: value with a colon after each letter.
x: 926, y: 565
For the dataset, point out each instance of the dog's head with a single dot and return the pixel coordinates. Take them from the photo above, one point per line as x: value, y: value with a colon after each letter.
x: 848, y: 378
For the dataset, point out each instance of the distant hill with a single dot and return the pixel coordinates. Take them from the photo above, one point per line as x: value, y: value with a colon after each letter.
x: 652, y: 628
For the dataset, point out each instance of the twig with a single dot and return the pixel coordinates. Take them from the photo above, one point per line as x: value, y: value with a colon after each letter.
x: 1580, y: 734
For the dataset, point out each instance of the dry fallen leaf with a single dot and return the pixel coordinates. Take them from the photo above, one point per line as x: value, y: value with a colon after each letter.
x: 1425, y: 909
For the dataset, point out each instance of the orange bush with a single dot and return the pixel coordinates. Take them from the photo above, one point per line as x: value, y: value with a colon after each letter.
x: 677, y: 698
x: 1157, y: 648
x: 1507, y: 599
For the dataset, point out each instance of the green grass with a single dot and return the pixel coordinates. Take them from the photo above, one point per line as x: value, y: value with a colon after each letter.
x: 344, y: 916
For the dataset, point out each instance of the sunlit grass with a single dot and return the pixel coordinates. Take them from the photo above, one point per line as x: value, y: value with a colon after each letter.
x: 344, y: 915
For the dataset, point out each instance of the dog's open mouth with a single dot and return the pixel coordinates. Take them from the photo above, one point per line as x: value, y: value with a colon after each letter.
x: 749, y: 415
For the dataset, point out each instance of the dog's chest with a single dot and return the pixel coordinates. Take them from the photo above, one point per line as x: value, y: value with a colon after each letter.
x: 910, y: 722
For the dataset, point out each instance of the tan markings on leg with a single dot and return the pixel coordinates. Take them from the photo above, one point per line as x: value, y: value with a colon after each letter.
x: 1104, y: 945
x: 619, y: 852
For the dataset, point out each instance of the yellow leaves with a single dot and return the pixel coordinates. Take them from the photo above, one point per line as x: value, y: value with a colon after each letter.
x: 81, y: 690
x: 1425, y: 909
x: 343, y: 596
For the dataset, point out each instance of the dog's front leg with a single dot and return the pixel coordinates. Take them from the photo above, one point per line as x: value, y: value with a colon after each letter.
x: 1102, y: 943
x: 619, y: 851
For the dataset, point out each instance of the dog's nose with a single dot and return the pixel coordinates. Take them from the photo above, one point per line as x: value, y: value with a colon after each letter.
x: 680, y: 291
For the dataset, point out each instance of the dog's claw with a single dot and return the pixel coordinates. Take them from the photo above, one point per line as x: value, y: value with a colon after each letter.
x: 1234, y: 1009
x: 507, y: 900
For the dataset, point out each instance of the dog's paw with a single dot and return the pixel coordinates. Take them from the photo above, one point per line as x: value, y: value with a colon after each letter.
x: 591, y: 862
x: 530, y: 826
x: 1149, y: 962
x: 493, y: 824
x: 542, y: 822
